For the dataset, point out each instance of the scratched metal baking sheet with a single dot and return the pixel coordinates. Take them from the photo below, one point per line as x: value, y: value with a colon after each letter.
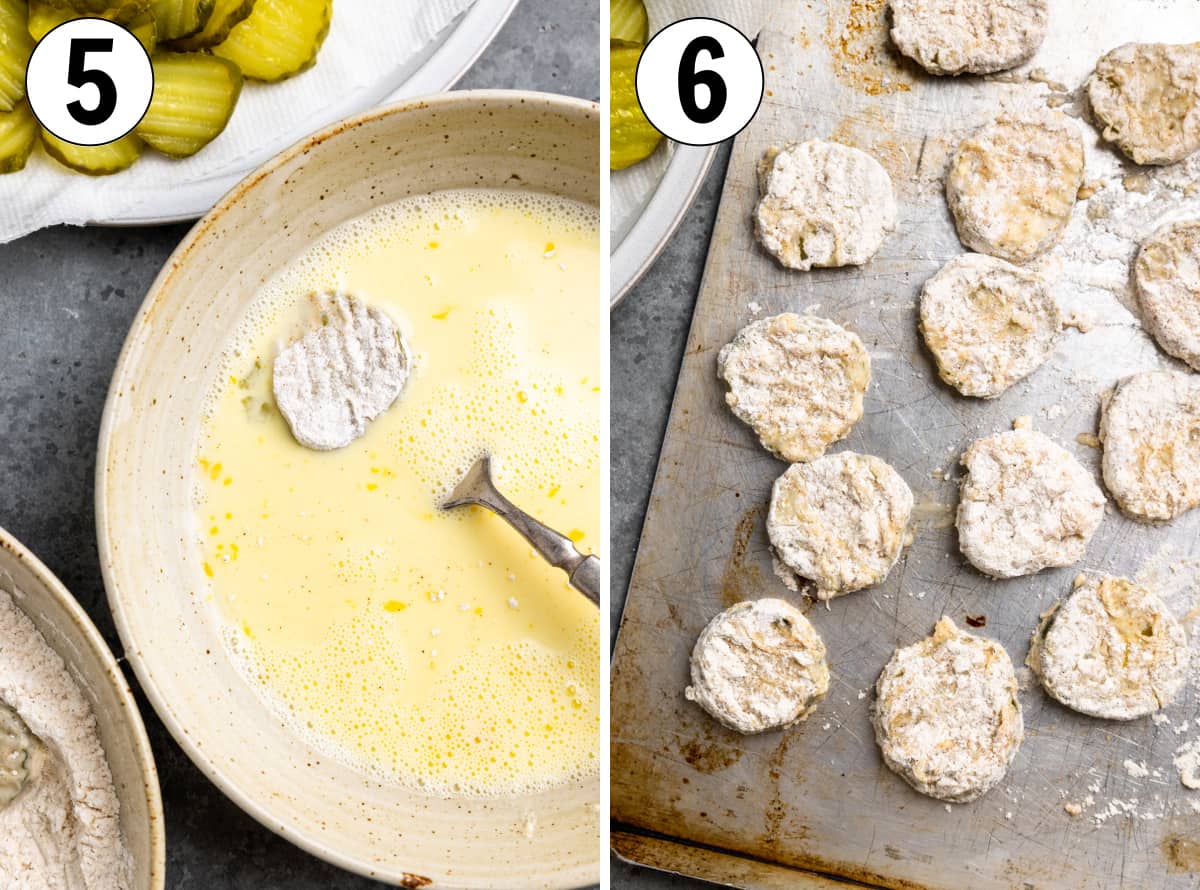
x: 817, y: 798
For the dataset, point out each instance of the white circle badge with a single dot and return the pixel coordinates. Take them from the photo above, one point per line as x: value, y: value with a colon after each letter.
x: 699, y: 81
x: 89, y: 81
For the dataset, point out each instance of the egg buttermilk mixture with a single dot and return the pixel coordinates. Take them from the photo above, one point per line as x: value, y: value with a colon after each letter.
x: 425, y: 647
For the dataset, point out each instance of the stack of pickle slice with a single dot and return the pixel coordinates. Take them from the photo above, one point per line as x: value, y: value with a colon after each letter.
x: 631, y: 136
x: 201, y: 50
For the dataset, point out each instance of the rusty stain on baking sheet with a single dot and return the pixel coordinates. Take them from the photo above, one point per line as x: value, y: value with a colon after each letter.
x: 776, y: 811
x: 674, y: 617
x: 742, y: 580
x: 872, y: 131
x: 1183, y: 855
x: 709, y: 757
x: 856, y: 34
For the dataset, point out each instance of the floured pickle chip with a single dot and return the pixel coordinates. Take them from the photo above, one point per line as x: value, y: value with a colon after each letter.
x: 1026, y: 504
x: 988, y: 323
x: 822, y: 204
x: 1147, y: 96
x: 340, y: 376
x: 968, y: 36
x: 758, y: 666
x: 1111, y: 649
x: 1150, y: 430
x: 839, y: 522
x: 797, y: 380
x: 1013, y: 183
x: 1167, y: 274
x: 947, y: 718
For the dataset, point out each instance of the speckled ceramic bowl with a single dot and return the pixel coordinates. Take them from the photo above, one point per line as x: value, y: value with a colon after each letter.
x: 70, y: 633
x: 143, y: 492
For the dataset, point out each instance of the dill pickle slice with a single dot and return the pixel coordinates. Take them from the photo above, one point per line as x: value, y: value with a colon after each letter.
x: 94, y: 160
x: 144, y: 28
x: 18, y: 135
x: 631, y: 136
x: 45, y: 16
x: 15, y: 47
x: 627, y: 21
x: 180, y: 18
x: 194, y: 95
x: 225, y: 14
x: 12, y: 12
x: 279, y: 39
x: 106, y: 9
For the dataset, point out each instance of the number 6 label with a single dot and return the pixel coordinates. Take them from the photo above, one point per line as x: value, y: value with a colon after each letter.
x: 699, y: 81
x: 89, y: 81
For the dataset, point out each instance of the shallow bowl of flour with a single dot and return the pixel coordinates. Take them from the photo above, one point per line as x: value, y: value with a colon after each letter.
x: 56, y: 621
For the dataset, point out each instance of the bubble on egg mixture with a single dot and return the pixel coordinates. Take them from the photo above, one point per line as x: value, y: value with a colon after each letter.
x: 552, y: 440
x: 483, y: 745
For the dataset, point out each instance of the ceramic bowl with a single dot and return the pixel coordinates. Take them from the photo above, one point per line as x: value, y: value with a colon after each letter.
x: 151, y: 562
x: 70, y: 633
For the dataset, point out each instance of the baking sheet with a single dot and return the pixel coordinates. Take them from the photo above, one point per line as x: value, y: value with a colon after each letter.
x: 817, y: 798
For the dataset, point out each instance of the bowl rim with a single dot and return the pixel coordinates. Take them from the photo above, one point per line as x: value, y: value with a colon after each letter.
x: 309, y: 843
x: 120, y: 685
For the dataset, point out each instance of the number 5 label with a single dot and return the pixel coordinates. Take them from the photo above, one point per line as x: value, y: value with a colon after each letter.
x: 699, y: 81
x: 89, y: 81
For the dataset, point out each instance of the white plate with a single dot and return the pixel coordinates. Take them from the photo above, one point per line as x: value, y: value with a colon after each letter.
x: 660, y: 217
x: 436, y: 68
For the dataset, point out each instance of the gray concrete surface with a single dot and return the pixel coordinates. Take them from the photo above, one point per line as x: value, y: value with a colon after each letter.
x: 67, y: 297
x: 648, y: 332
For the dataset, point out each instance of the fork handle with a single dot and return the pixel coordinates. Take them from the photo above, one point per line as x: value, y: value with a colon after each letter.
x: 583, y: 572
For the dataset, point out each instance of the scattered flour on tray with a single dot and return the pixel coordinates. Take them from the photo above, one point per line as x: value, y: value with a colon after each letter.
x: 1096, y: 252
x: 1187, y: 761
x: 62, y: 832
x: 1136, y: 770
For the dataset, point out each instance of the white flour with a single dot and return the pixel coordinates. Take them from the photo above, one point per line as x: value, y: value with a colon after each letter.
x: 1135, y: 770
x: 1187, y: 761
x: 63, y: 831
x: 1090, y: 267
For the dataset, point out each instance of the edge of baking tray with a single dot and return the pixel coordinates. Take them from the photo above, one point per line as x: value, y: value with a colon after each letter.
x: 660, y: 218
x: 679, y: 857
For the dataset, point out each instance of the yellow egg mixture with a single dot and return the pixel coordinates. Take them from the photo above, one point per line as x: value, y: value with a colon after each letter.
x: 430, y: 648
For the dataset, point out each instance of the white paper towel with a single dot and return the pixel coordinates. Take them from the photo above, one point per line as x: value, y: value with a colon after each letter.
x: 361, y: 62
x: 632, y: 188
x: 745, y: 15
